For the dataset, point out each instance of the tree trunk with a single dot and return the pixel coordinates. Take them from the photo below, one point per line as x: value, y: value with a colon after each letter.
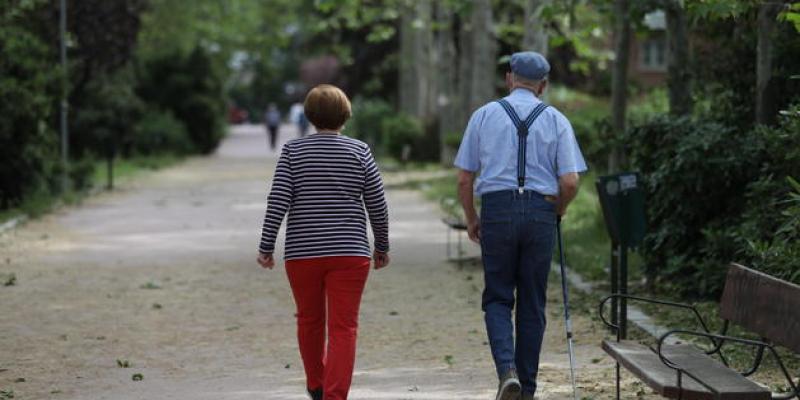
x: 426, y: 63
x: 619, y: 79
x: 464, y: 80
x: 679, y: 75
x: 445, y: 54
x: 484, y: 58
x: 408, y: 88
x: 765, y: 104
x: 416, y: 66
x: 535, y: 37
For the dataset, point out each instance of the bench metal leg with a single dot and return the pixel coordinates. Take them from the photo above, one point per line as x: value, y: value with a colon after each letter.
x: 447, y: 251
x: 460, y: 252
x: 617, y: 380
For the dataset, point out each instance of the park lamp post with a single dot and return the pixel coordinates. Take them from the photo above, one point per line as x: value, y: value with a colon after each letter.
x: 64, y: 94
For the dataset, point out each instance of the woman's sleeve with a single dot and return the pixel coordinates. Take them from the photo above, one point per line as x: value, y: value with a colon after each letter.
x: 375, y: 201
x: 278, y: 202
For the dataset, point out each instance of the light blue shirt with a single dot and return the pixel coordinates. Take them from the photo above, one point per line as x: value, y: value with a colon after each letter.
x: 490, y: 146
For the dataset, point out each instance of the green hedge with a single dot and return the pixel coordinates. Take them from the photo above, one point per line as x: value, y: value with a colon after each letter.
x: 28, y: 146
x: 189, y: 87
x: 715, y: 195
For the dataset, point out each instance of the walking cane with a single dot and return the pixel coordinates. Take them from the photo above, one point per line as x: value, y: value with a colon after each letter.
x: 568, y: 323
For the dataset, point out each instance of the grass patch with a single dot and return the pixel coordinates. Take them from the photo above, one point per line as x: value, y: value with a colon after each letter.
x: 126, y: 168
x: 586, y: 240
x: 7, y: 215
x: 575, y: 104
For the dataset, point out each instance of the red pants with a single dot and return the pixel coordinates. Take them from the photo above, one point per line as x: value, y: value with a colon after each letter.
x: 338, y: 283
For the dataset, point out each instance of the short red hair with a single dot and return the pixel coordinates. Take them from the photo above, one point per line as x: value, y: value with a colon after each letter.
x: 327, y: 107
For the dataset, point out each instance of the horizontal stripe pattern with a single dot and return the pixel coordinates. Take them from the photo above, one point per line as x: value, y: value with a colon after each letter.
x: 328, y: 185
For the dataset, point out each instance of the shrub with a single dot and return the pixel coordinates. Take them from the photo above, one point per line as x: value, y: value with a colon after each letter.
x: 160, y: 132
x: 200, y: 114
x: 367, y: 121
x: 104, y: 123
x: 712, y: 196
x: 28, y: 147
x: 400, y: 133
x: 81, y: 173
x: 589, y: 117
x: 190, y: 87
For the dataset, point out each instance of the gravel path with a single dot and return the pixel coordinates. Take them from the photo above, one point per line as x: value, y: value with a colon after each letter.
x: 161, y: 275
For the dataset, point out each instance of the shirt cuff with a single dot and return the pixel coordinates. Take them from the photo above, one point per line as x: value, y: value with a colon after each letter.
x: 266, y: 248
x: 382, y: 247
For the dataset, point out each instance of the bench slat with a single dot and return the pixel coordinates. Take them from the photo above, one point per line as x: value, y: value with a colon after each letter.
x: 646, y: 365
x: 455, y: 223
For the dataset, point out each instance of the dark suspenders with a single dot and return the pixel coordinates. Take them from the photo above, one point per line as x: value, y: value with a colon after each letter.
x: 522, y: 135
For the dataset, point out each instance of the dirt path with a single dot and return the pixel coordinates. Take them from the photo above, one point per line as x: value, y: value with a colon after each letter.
x: 161, y: 274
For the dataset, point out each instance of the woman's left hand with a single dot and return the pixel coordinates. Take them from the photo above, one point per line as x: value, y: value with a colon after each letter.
x: 266, y: 261
x: 381, y: 259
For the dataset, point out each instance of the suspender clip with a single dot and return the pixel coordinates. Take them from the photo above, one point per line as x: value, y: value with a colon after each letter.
x: 520, y: 190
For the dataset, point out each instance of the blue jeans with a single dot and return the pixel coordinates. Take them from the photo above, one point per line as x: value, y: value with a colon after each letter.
x: 517, y: 238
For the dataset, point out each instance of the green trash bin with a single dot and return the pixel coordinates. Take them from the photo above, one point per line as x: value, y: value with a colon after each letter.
x: 622, y: 199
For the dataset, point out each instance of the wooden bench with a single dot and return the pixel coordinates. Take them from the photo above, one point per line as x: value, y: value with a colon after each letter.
x: 458, y: 225
x: 762, y: 304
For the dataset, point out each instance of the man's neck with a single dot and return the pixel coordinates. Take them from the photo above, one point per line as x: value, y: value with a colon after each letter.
x: 528, y: 88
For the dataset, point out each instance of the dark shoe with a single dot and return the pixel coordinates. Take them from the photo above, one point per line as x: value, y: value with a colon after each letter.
x: 315, y: 394
x: 509, y: 388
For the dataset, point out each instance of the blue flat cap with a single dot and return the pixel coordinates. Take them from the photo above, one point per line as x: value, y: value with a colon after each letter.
x: 530, y: 65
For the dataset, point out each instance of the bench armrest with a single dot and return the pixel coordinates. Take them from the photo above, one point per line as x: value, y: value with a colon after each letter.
x: 724, y: 338
x: 652, y: 301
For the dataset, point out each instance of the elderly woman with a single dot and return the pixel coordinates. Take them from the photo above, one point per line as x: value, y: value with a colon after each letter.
x: 324, y: 181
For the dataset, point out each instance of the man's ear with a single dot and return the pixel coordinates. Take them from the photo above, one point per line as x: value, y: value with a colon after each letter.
x: 542, y: 87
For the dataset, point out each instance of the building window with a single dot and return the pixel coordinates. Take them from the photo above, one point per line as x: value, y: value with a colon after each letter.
x: 653, y: 54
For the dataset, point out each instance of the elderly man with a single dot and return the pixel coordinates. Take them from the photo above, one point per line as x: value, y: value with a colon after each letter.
x: 528, y: 161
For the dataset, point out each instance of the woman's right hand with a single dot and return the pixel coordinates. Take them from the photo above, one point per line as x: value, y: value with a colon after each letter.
x: 266, y: 260
x: 381, y: 259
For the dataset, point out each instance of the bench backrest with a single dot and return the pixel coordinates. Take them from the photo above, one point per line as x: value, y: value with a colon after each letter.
x: 762, y: 304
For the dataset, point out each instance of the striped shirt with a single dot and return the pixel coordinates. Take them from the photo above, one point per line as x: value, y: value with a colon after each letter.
x: 324, y: 181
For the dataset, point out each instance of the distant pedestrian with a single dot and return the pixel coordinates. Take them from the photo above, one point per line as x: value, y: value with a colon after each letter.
x: 298, y: 117
x: 529, y: 162
x: 272, y: 119
x: 327, y: 183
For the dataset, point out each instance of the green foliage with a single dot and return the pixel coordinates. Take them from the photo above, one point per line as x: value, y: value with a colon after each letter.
x: 160, y: 132
x: 10, y: 280
x: 792, y: 15
x: 719, y: 9
x: 725, y: 91
x: 712, y: 197
x: 588, y: 116
x: 400, y: 132
x: 81, y: 172
x: 189, y: 87
x: 28, y: 146
x: 103, y: 125
x: 367, y: 121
